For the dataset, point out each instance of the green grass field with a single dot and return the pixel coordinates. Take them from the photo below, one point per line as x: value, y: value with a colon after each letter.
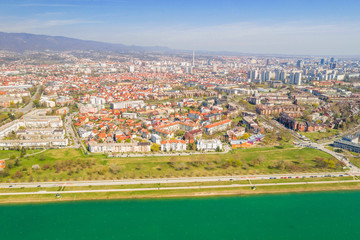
x: 71, y: 164
x: 321, y: 135
x: 4, y: 154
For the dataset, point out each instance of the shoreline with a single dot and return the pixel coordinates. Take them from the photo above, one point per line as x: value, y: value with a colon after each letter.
x: 242, y: 192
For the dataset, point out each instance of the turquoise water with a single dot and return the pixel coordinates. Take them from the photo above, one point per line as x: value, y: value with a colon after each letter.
x: 333, y: 215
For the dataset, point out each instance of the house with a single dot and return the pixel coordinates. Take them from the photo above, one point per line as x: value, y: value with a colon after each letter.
x: 192, y: 135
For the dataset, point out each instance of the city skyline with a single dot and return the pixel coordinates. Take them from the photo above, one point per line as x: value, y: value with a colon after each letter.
x: 260, y: 27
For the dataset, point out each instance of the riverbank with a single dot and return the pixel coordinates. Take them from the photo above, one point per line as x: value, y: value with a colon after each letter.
x: 194, y: 191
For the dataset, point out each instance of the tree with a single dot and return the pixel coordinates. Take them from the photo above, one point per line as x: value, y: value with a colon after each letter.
x: 11, y: 116
x: 23, y: 152
x: 331, y: 164
x: 155, y: 147
x: 192, y: 146
x: 36, y: 103
x: 245, y: 136
x: 128, y: 140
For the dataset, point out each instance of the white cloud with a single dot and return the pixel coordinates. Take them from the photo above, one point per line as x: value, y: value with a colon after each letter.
x: 31, y: 25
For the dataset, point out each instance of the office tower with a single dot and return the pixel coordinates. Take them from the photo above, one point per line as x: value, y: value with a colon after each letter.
x: 333, y: 65
x: 262, y: 76
x: 193, y: 60
x: 267, y: 61
x: 267, y: 76
x: 332, y: 59
x: 277, y: 75
x: 322, y: 61
x: 300, y: 64
x: 283, y: 76
x: 297, y: 78
x: 292, y: 78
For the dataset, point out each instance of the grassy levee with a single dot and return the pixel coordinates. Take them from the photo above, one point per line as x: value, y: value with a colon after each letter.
x: 181, y: 192
x: 72, y: 164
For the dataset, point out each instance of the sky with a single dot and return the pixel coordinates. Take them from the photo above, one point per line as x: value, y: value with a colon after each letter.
x: 316, y: 27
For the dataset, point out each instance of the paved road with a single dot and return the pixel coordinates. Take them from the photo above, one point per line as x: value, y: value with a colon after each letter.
x: 171, y: 180
x: 174, y: 188
x: 30, y: 106
x: 70, y: 131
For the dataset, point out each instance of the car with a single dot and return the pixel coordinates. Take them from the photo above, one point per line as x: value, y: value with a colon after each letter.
x: 289, y: 177
x: 38, y: 185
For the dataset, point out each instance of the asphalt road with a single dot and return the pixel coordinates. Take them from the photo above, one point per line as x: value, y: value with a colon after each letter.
x: 171, y: 180
x: 173, y: 188
x: 30, y: 105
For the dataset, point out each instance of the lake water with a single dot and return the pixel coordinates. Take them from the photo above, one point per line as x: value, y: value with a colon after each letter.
x: 331, y: 215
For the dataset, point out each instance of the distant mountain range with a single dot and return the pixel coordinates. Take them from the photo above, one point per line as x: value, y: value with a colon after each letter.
x: 20, y: 42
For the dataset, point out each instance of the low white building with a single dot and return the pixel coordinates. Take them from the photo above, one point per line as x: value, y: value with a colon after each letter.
x: 173, y: 145
x: 208, y: 145
x: 119, y: 147
x: 129, y: 115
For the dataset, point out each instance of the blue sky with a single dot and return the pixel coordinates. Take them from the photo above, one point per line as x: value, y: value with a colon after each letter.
x: 291, y: 27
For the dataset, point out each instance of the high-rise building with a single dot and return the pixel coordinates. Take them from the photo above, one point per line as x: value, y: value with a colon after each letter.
x: 332, y: 59
x: 297, y: 78
x: 267, y: 61
x: 267, y: 75
x: 300, y: 64
x: 252, y: 75
x: 322, y: 61
x: 277, y: 75
x: 283, y: 76
x: 262, y: 76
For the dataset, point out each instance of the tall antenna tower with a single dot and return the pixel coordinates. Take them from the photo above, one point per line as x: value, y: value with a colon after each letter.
x: 193, y: 62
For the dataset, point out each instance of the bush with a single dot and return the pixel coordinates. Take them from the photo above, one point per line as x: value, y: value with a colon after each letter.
x: 114, y: 169
x: 46, y: 166
x: 41, y: 157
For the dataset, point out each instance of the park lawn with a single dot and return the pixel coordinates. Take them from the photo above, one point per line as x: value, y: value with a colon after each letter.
x: 72, y: 164
x: 321, y: 135
x: 5, y: 154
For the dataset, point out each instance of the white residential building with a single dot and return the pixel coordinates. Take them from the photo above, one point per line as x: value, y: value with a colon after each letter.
x: 208, y: 145
x: 173, y: 145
